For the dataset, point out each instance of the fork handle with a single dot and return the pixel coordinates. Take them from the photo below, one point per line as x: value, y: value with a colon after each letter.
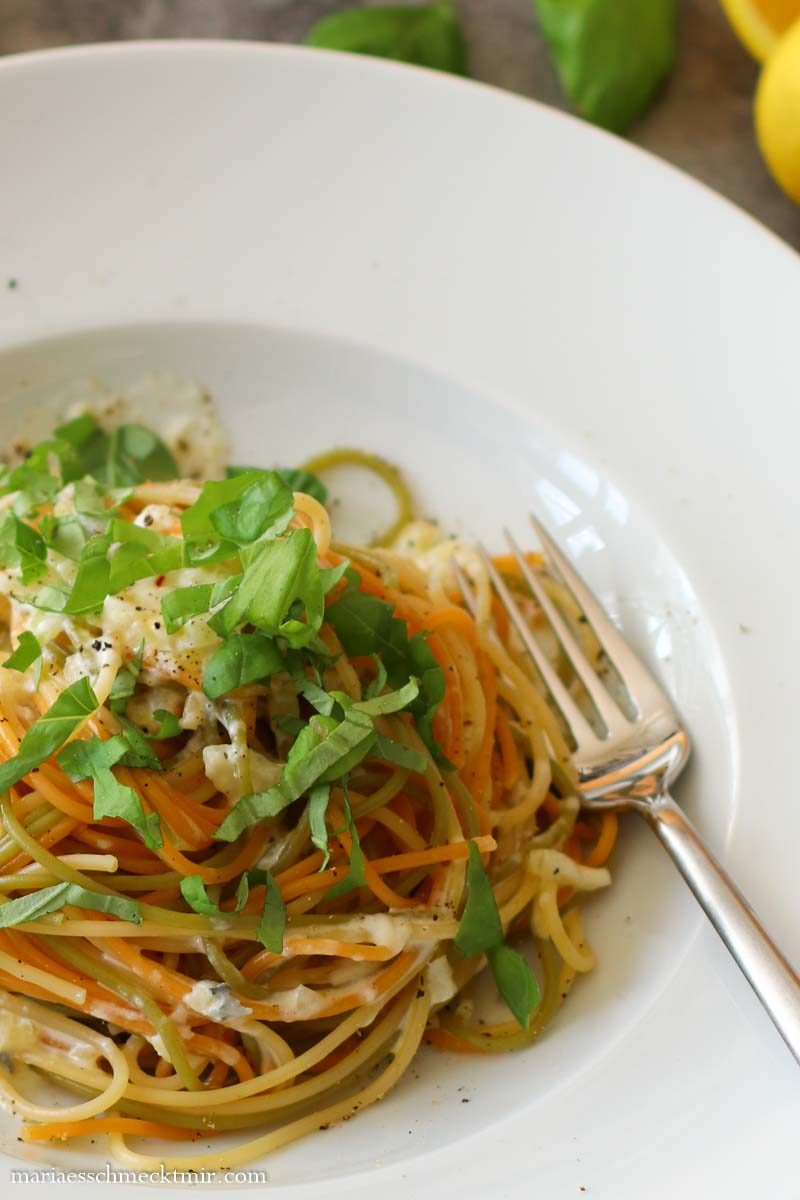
x: 768, y: 972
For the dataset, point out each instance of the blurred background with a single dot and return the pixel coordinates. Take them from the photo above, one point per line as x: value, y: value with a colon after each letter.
x: 700, y: 118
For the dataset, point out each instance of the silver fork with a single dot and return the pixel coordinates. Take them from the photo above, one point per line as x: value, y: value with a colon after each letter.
x: 633, y: 762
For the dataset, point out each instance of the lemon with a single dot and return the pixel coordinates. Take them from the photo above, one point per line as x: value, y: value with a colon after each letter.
x: 777, y: 112
x: 759, y: 24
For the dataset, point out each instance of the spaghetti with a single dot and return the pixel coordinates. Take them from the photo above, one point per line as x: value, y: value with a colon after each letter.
x: 270, y: 802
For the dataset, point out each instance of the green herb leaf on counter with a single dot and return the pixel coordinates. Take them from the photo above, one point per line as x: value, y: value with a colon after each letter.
x: 48, y: 900
x: 244, y: 658
x: 611, y: 55
x: 27, y: 653
x: 428, y: 35
x: 45, y: 736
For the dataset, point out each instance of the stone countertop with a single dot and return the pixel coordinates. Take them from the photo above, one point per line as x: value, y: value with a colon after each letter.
x: 702, y: 122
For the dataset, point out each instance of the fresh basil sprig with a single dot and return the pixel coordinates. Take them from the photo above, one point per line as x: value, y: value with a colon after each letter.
x: 480, y: 931
x: 428, y: 35
x: 611, y: 55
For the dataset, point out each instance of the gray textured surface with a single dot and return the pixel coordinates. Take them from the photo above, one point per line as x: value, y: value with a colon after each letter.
x: 702, y: 122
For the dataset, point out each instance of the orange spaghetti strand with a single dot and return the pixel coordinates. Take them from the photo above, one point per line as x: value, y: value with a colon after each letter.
x: 61, y: 1131
x: 605, y: 842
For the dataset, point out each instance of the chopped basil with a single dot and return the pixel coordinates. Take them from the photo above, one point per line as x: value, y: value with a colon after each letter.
x: 399, y: 755
x: 93, y: 759
x: 124, y: 685
x: 170, y: 726
x: 27, y: 653
x: 318, y: 798
x: 262, y: 511
x: 181, y: 604
x: 280, y: 581
x: 272, y: 924
x: 47, y: 900
x: 480, y: 931
x: 366, y: 625
x: 324, y: 751
x: 244, y: 658
x: 479, y: 928
x: 45, y: 736
x: 515, y: 981
x: 22, y: 546
x: 355, y: 877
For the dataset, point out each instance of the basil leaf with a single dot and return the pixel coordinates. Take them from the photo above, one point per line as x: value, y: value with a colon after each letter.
x: 317, y: 808
x: 515, y: 981
x: 91, y: 585
x: 65, y: 535
x: 611, y: 55
x: 324, y: 750
x: 138, y: 751
x: 194, y: 893
x: 330, y: 576
x: 170, y: 725
x: 114, y: 799
x: 47, y: 900
x: 45, y: 736
x: 263, y: 510
x: 366, y: 625
x: 83, y: 756
x: 272, y: 926
x: 390, y: 702
x: 134, y: 560
x: 22, y: 546
x: 196, y: 520
x: 480, y: 927
x: 131, y: 454
x: 303, y: 481
x: 398, y: 754
x: 27, y: 653
x: 355, y: 877
x: 93, y: 758
x: 244, y: 658
x: 124, y: 685
x: 281, y: 576
x: 428, y: 35
x: 181, y: 604
x: 379, y: 682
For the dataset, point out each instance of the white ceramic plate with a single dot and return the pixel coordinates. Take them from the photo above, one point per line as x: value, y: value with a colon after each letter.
x: 522, y: 312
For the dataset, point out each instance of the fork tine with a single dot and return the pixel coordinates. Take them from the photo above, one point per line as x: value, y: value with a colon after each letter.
x: 464, y: 587
x: 580, y: 728
x: 642, y: 688
x: 615, y: 721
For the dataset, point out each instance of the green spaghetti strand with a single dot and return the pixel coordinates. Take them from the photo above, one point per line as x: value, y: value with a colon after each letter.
x: 387, y: 472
